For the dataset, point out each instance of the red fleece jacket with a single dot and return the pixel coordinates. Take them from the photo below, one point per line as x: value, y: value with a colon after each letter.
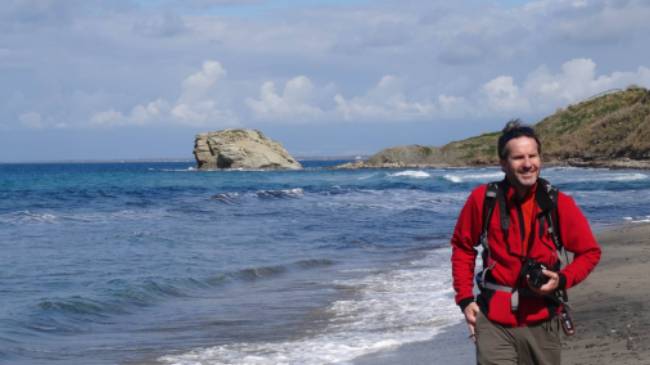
x: 508, y: 252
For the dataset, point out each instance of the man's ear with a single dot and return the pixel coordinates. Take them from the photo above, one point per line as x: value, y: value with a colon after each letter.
x: 503, y: 163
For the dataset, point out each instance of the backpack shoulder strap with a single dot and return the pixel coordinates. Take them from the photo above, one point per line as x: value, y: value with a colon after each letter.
x: 547, y: 196
x: 493, y: 193
x: 550, y: 211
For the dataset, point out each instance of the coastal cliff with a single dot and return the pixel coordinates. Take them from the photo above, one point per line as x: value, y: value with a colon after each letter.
x: 607, y: 130
x: 241, y: 148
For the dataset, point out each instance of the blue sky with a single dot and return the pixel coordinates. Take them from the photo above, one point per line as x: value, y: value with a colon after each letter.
x: 127, y: 79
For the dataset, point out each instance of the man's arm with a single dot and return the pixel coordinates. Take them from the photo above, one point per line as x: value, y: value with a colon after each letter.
x: 463, y: 257
x: 576, y: 237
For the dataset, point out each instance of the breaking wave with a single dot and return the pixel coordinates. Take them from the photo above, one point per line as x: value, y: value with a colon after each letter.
x: 280, y: 194
x: 388, y: 309
x: 461, y: 178
x: 419, y: 174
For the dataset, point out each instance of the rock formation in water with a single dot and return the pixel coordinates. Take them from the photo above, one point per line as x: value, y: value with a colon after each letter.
x: 241, y: 149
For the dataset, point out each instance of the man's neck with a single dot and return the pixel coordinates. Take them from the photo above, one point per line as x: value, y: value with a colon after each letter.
x: 523, y: 192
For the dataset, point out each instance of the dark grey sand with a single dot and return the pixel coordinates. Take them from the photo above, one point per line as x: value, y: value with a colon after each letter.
x: 611, y: 313
x: 611, y: 307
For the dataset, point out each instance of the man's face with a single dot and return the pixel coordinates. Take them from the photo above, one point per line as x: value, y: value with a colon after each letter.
x: 523, y: 162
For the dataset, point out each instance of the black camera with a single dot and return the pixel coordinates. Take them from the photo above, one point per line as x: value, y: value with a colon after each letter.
x: 533, y: 271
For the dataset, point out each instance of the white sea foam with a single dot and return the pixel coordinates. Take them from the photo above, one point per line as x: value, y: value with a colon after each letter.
x: 119, y: 215
x: 26, y: 216
x: 29, y: 217
x: 600, y: 176
x: 188, y: 169
x: 399, y: 306
x: 645, y: 219
x: 282, y: 193
x: 416, y: 174
x: 621, y: 177
x: 365, y: 177
x: 459, y: 178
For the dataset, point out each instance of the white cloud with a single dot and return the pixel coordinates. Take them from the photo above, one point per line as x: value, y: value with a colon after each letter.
x: 142, y: 114
x: 578, y: 80
x: 294, y: 102
x: 108, y: 117
x: 196, y: 105
x: 31, y: 120
x: 386, y: 101
x: 453, y: 106
x: 542, y: 90
x: 503, y: 95
x: 34, y: 120
x: 457, y: 59
x: 196, y: 87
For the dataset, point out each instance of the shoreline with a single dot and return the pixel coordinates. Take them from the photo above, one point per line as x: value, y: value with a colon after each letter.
x: 622, y: 164
x: 610, y: 310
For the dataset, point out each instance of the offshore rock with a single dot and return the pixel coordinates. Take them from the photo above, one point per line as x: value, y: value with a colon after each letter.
x: 241, y: 149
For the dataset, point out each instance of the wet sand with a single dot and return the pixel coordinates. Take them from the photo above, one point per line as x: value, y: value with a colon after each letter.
x: 611, y: 311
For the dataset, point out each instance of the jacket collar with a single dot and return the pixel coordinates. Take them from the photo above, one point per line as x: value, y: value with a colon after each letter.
x: 511, y: 192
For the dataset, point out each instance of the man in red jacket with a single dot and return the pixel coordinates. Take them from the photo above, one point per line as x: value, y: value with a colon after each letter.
x: 515, y: 320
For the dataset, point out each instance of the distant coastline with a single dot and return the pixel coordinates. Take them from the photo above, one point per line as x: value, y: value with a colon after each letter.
x: 610, y: 130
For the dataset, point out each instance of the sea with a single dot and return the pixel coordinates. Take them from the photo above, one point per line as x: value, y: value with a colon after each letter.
x: 158, y: 263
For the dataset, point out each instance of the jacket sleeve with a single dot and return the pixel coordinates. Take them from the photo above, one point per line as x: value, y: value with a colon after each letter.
x: 463, y: 256
x: 577, y: 238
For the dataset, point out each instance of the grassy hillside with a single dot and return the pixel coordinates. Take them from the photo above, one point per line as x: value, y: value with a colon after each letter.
x: 603, y: 129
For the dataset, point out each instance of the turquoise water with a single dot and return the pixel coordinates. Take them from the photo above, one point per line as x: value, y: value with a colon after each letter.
x: 136, y: 263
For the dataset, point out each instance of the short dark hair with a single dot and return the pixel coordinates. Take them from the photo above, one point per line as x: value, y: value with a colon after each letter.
x: 515, y: 129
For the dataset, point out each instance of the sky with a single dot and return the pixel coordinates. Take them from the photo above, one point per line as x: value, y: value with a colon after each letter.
x: 138, y: 79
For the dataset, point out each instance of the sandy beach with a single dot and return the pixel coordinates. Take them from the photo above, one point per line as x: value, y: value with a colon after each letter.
x: 610, y: 312
x: 611, y: 306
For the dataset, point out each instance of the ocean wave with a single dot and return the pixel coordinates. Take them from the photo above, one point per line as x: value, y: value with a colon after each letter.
x: 123, y: 297
x: 80, y: 306
x: 232, y: 198
x: 313, y: 263
x: 187, y: 169
x: 120, y: 298
x: 461, y: 178
x: 280, y: 194
x: 615, y: 177
x: 30, y: 217
x: 226, y: 198
x: 265, y: 272
x: 645, y: 219
x: 389, y: 309
x: 26, y: 216
x: 395, y: 200
x: 419, y: 174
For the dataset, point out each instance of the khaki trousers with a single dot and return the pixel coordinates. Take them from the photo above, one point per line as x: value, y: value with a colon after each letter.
x: 539, y: 344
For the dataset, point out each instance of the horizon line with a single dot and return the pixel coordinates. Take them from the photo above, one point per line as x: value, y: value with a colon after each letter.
x: 172, y: 159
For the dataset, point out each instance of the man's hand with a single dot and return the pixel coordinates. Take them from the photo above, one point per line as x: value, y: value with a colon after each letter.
x: 471, y: 311
x: 550, y: 286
